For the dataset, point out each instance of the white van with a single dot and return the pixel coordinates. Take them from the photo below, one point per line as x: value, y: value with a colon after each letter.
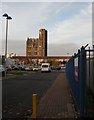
x: 45, y: 67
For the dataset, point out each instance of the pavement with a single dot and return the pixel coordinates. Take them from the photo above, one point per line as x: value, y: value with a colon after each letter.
x: 58, y: 101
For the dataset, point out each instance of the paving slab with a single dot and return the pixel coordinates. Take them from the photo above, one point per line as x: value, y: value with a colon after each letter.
x: 57, y: 102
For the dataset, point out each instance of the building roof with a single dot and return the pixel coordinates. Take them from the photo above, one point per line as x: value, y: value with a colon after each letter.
x: 40, y: 57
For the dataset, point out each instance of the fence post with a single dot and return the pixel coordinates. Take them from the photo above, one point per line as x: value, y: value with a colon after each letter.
x: 82, y: 81
x: 78, y: 77
x: 89, y: 67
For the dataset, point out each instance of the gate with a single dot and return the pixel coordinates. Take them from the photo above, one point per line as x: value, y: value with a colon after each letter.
x: 81, y: 78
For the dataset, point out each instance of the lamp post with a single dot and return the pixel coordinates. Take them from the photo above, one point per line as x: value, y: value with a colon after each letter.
x: 7, y: 18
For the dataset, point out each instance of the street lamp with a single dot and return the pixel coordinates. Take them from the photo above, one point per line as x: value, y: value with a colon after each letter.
x: 7, y: 18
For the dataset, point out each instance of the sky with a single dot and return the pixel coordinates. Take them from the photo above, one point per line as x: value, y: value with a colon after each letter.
x: 69, y: 25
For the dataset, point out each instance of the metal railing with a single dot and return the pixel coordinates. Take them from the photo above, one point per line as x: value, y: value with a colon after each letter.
x: 79, y: 71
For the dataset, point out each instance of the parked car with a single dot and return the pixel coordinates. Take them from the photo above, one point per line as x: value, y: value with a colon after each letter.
x: 27, y: 68
x: 58, y: 68
x: 8, y: 68
x: 63, y: 67
x: 45, y: 67
x: 35, y: 68
x: 55, y: 68
x: 15, y: 67
x: 21, y: 67
x: 2, y: 71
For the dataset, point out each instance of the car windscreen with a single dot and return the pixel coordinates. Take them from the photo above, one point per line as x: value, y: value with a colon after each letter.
x: 45, y: 66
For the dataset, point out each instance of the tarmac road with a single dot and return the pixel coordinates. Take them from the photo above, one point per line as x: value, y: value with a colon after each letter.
x: 17, y: 92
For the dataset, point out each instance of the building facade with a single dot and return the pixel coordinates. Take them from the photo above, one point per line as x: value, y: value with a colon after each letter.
x: 37, y: 60
x: 37, y: 46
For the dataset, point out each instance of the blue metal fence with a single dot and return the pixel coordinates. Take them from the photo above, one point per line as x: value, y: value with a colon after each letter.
x: 76, y: 75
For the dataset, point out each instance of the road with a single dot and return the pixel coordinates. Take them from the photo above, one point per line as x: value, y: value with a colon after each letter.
x: 17, y: 92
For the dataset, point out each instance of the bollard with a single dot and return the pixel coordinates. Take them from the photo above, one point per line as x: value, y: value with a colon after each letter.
x: 34, y: 114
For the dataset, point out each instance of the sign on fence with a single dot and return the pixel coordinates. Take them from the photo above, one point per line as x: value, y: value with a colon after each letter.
x: 76, y: 68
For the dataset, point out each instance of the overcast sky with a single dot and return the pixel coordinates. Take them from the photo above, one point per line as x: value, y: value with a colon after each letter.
x: 69, y: 25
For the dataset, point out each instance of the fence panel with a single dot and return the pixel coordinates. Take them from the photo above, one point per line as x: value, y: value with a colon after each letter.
x: 80, y: 75
x: 76, y: 75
